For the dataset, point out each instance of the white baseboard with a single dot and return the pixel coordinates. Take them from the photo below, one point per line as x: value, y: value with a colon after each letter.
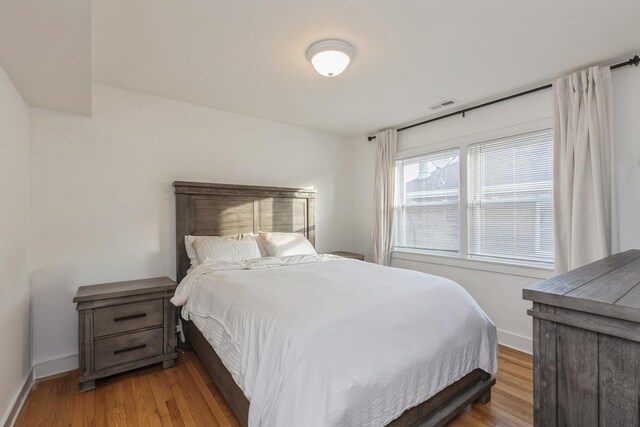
x: 515, y: 341
x: 11, y: 416
x: 55, y: 366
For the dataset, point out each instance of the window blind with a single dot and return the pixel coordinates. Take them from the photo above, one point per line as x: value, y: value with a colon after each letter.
x: 429, y: 202
x: 510, y: 198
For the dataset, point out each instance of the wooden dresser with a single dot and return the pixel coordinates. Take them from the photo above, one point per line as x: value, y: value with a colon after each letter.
x: 123, y: 326
x: 586, y: 344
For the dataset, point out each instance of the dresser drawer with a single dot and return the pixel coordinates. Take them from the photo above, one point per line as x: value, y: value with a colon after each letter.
x: 127, y: 317
x: 127, y: 348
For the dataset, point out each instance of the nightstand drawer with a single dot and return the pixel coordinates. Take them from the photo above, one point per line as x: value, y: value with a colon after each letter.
x: 124, y: 326
x: 127, y: 348
x: 127, y: 317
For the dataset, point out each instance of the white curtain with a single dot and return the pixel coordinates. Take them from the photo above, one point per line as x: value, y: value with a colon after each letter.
x: 387, y: 141
x: 586, y: 220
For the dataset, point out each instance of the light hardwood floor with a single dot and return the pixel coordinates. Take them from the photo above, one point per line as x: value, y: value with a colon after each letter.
x: 185, y: 396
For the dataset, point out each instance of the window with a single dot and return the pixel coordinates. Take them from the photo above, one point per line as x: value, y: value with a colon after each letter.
x: 510, y: 201
x: 429, y: 202
x: 503, y: 211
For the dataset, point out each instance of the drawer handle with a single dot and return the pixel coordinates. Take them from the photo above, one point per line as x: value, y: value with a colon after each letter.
x: 124, y: 350
x: 132, y: 316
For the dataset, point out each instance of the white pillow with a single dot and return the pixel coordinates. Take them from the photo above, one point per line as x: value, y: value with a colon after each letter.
x: 191, y: 252
x: 225, y: 249
x: 285, y: 244
x: 256, y: 237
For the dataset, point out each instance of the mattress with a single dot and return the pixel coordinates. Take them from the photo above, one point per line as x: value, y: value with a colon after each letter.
x: 317, y: 340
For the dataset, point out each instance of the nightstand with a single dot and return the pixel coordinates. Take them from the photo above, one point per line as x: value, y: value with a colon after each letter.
x: 349, y: 255
x: 124, y: 326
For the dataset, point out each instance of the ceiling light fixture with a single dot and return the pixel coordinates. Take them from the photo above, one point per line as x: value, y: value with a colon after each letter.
x: 330, y: 57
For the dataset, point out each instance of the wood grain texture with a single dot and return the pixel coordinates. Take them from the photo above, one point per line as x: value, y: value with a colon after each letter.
x: 448, y: 403
x: 282, y: 215
x: 612, y: 286
x: 124, y: 326
x: 567, y: 282
x: 586, y: 331
x: 577, y: 373
x: 204, y: 209
x: 127, y: 317
x: 185, y: 396
x: 123, y: 289
x: 620, y: 392
x: 608, y: 287
x: 630, y: 299
x: 169, y: 338
x: 545, y: 374
x: 126, y: 348
x: 591, y: 322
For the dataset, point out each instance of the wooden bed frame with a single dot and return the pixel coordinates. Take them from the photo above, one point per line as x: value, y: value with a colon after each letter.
x: 221, y: 209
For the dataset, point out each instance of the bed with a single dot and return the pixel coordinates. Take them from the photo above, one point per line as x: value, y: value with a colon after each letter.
x: 282, y: 395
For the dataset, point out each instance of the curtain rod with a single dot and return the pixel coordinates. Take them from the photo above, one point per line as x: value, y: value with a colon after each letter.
x: 633, y: 61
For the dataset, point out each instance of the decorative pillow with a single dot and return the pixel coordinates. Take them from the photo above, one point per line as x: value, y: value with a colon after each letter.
x: 191, y: 251
x: 256, y: 237
x: 285, y: 244
x: 225, y: 249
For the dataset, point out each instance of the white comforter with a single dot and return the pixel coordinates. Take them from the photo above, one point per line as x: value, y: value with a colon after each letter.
x: 319, y: 341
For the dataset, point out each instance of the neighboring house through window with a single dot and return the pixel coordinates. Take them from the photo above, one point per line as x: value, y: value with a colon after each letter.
x: 505, y: 212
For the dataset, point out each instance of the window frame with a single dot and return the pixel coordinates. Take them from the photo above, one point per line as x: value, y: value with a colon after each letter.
x: 399, y: 191
x: 462, y: 258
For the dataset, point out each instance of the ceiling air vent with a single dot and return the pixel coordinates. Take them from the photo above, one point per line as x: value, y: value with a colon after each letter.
x: 442, y: 104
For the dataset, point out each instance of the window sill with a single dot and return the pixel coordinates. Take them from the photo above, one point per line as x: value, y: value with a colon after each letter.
x: 524, y: 270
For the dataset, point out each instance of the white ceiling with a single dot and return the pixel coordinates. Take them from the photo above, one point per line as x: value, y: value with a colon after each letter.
x: 248, y: 56
x: 45, y: 48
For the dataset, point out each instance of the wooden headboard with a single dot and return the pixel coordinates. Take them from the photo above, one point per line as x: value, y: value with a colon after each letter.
x: 204, y: 209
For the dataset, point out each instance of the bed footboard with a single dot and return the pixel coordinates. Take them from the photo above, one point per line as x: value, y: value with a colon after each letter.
x: 437, y: 411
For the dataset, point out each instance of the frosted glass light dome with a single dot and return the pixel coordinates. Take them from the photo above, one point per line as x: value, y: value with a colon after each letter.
x: 330, y: 57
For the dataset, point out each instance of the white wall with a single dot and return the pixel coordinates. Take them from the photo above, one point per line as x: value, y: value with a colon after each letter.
x: 103, y: 203
x: 499, y: 292
x: 14, y: 244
